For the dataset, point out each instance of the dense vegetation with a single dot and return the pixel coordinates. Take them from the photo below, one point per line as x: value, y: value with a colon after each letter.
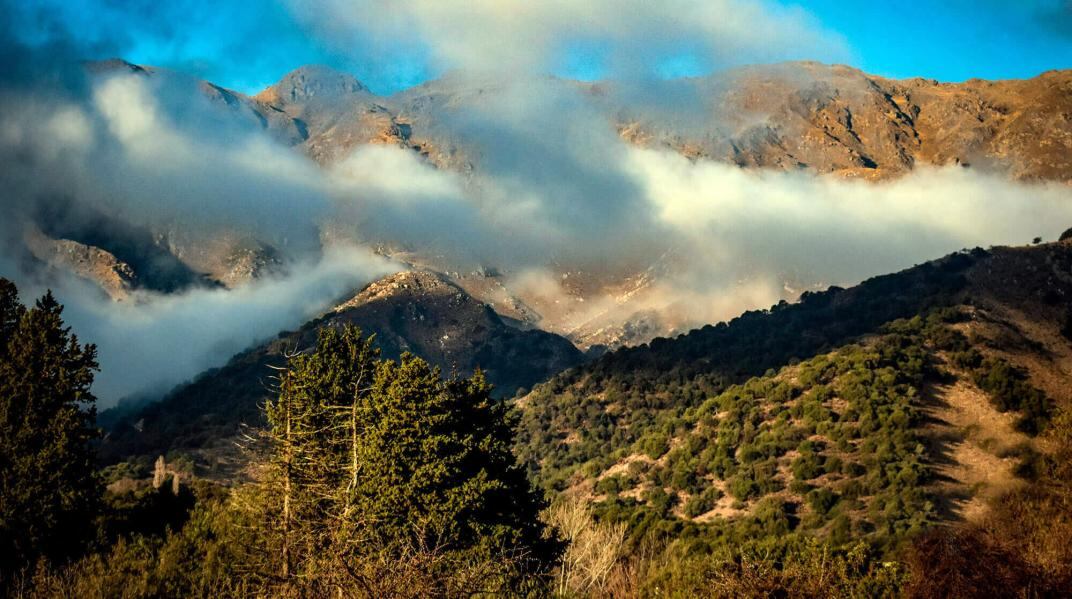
x: 376, y: 477
x: 378, y: 458
x: 675, y: 442
x: 48, y: 488
x: 826, y: 448
x: 609, y: 404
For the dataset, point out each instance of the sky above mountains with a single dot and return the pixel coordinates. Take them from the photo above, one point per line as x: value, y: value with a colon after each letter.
x: 394, y: 44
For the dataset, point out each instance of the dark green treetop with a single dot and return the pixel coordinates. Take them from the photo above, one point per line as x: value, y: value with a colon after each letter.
x: 48, y: 486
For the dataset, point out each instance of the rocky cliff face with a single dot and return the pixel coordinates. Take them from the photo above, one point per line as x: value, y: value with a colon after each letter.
x: 835, y: 119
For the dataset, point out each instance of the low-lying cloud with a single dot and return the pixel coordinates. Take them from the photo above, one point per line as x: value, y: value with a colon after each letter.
x: 152, y: 342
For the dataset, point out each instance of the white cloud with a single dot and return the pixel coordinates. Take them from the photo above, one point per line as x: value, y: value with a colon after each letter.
x: 630, y: 37
x: 554, y: 189
x: 153, y: 341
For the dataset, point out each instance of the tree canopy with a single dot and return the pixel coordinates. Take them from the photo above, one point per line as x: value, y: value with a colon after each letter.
x: 48, y: 485
x: 376, y: 455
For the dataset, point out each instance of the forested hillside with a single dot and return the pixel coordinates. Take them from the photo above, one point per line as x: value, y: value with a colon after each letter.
x: 870, y: 414
x: 417, y: 312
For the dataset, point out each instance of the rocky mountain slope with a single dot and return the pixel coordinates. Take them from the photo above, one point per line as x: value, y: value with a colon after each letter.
x: 415, y: 311
x: 868, y: 412
x: 826, y: 119
x: 836, y: 119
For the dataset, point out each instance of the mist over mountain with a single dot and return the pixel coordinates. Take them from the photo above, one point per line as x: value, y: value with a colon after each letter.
x: 610, y: 212
x: 603, y: 214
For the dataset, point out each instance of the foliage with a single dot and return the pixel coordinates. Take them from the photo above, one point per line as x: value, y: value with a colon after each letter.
x: 825, y: 448
x: 48, y: 487
x: 378, y: 454
x: 590, y: 412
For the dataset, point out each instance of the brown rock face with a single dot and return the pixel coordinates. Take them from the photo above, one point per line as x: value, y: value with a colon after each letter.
x: 335, y: 112
x: 802, y: 115
x: 114, y: 276
x: 836, y: 119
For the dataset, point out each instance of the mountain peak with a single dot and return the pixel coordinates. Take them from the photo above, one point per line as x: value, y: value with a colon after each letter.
x: 114, y: 65
x: 312, y: 82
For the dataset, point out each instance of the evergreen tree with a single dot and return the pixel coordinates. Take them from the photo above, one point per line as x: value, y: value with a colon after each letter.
x: 377, y: 457
x: 437, y: 469
x: 48, y: 486
x: 311, y: 427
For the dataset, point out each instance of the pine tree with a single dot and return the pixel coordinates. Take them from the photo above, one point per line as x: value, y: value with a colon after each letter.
x: 48, y: 486
x: 389, y: 459
x: 437, y: 469
x: 311, y: 427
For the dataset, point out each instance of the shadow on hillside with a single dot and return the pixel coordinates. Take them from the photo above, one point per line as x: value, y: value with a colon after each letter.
x: 939, y: 438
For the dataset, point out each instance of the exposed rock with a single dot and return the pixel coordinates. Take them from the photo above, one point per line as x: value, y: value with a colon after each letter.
x: 114, y: 276
x: 311, y: 82
x: 800, y: 115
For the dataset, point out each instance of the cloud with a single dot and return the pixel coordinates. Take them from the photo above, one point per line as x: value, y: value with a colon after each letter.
x: 784, y: 226
x: 153, y: 341
x: 623, y: 37
x: 708, y: 239
x: 393, y: 44
x: 154, y: 156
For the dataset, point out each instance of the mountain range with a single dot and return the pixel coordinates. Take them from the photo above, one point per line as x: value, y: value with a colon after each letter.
x: 831, y: 120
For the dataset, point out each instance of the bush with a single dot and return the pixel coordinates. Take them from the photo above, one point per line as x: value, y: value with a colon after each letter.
x: 654, y: 445
x: 702, y: 503
x: 822, y: 500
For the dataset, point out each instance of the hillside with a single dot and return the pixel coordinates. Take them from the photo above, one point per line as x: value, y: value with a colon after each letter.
x: 869, y: 412
x: 415, y: 311
x: 837, y: 119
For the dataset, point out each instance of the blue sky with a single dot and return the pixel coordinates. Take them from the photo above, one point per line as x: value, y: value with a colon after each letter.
x: 954, y: 40
x: 246, y: 45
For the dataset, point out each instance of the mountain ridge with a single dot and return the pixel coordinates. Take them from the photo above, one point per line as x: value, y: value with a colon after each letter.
x: 413, y: 311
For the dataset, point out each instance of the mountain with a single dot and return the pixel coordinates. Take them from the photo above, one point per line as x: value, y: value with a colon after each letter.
x: 834, y: 120
x: 418, y: 312
x: 800, y: 115
x: 871, y: 412
x: 837, y: 119
x: 827, y: 119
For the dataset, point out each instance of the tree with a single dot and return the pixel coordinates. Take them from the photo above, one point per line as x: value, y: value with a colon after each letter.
x: 437, y: 466
x: 376, y: 458
x: 48, y: 486
x: 312, y: 428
